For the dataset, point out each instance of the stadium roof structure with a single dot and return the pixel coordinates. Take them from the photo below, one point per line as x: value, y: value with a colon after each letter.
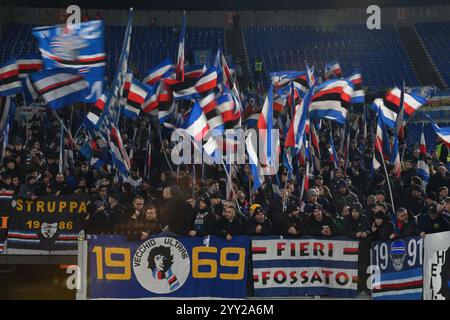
x: 221, y: 5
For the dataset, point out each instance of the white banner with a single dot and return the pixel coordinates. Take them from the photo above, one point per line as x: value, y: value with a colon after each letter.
x: 436, y: 278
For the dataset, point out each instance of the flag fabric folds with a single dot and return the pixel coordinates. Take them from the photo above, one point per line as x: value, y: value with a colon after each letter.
x: 358, y: 96
x: 60, y: 87
x: 331, y: 101
x: 80, y: 48
x: 180, y: 57
x: 333, y: 70
x: 10, y: 83
x: 134, y: 96
x: 443, y: 133
x: 154, y: 75
x: 422, y: 166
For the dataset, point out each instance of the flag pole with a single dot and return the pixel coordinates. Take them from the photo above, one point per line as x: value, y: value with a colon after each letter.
x: 231, y: 185
x: 164, y: 149
x: 387, y: 179
x: 61, y: 148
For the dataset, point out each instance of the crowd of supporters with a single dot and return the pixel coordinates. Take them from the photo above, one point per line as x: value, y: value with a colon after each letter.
x: 161, y: 198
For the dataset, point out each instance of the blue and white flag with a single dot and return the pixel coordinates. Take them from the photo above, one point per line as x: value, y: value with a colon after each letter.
x: 153, y: 75
x: 10, y: 83
x: 112, y: 106
x: 180, y: 57
x: 80, y: 48
x: 443, y: 133
x: 60, y: 87
x: 423, y: 170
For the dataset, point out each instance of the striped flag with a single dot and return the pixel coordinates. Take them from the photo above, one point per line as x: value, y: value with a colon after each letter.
x: 180, y: 57
x: 358, y: 96
x: 423, y: 170
x: 95, y: 112
x: 60, y: 87
x: 192, y: 89
x: 333, y: 70
x: 281, y: 78
x: 443, y: 133
x: 231, y: 115
x: 395, y: 157
x: 411, y: 103
x: 10, y: 83
x: 194, y: 72
x: 252, y: 147
x: 294, y: 137
x: 213, y: 115
x: 154, y: 75
x: 119, y: 155
x: 197, y: 123
x: 28, y: 65
x: 81, y: 49
x: 252, y: 120
x: 134, y: 95
x: 331, y: 100
x: 112, y: 104
x: 378, y: 153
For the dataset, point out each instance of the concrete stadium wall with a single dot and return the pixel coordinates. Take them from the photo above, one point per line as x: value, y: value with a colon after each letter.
x: 43, y: 16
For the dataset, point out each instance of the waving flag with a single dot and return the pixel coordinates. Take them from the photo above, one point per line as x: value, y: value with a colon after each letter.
x: 60, y: 87
x: 79, y: 48
x: 180, y: 57
x: 192, y: 89
x: 281, y: 78
x: 331, y: 101
x: 195, y: 72
x: 395, y: 158
x: 358, y: 96
x: 213, y: 116
x: 378, y: 155
x: 112, y: 104
x: 197, y: 123
x: 134, y: 96
x: 9, y: 79
x: 412, y: 101
x: 443, y: 133
x: 231, y: 115
x: 252, y: 147
x: 119, y: 155
x: 252, y: 120
x: 311, y: 79
x: 422, y: 166
x: 333, y: 70
x: 29, y: 64
x: 296, y: 131
x: 96, y: 111
x: 153, y: 75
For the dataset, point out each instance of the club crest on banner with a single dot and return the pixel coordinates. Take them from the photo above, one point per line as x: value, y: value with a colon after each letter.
x: 161, y: 265
x: 48, y: 230
x: 398, y: 254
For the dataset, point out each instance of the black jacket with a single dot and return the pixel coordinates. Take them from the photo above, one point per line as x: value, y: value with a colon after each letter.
x: 234, y: 228
x: 314, y: 227
x: 383, y: 232
x: 267, y: 228
x: 286, y: 222
x: 429, y: 226
x: 352, y: 226
x: 203, y: 222
x: 409, y: 229
x: 177, y: 215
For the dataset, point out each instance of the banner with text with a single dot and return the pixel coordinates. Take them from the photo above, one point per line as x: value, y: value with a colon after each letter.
x: 46, y: 225
x: 167, y: 267
x: 398, y: 273
x: 5, y: 208
x: 305, y: 266
x: 436, y: 275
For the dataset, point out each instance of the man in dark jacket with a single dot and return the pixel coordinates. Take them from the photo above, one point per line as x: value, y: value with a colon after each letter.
x: 319, y: 224
x: 355, y: 224
x: 259, y: 224
x: 291, y: 222
x: 203, y: 219
x: 406, y: 224
x: 229, y: 225
x: 433, y: 222
x: 175, y: 213
x: 99, y: 213
x: 382, y: 228
x: 343, y: 196
x: 414, y: 202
